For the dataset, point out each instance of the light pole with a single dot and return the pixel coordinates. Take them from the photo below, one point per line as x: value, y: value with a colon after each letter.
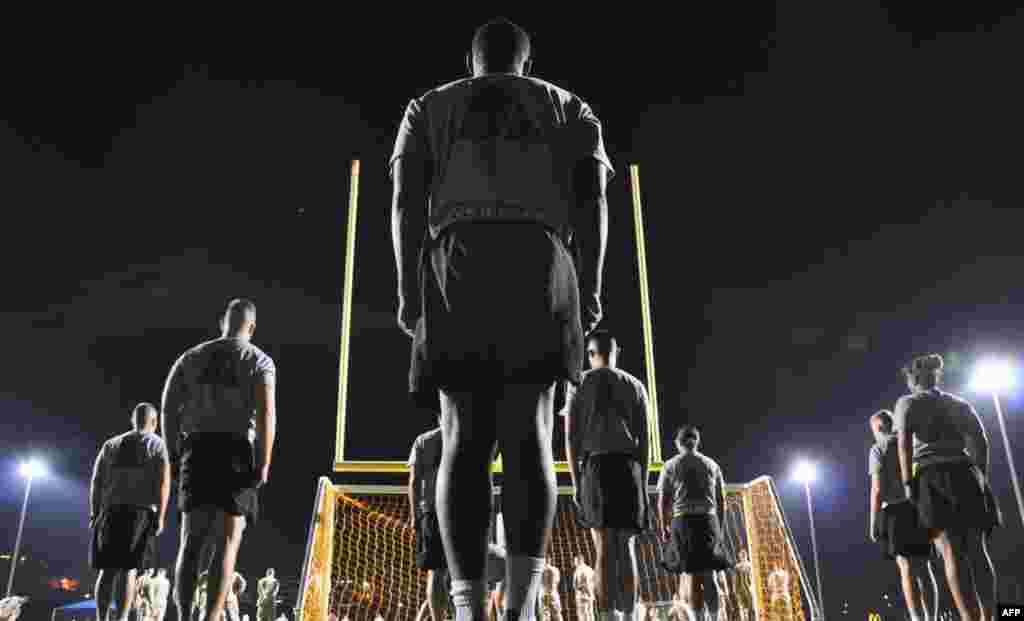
x: 805, y: 473
x: 994, y: 376
x: 30, y: 470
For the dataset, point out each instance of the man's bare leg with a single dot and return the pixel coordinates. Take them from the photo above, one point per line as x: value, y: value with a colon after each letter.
x: 196, y: 529
x: 107, y: 582
x: 985, y: 579
x: 464, y: 495
x: 524, y: 419
x: 604, y: 572
x: 222, y: 569
x: 953, y: 548
x: 626, y: 580
x: 437, y: 597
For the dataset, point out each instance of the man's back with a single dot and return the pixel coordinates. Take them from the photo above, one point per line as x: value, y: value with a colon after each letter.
x: 692, y: 480
x: 502, y: 147
x: 220, y: 379
x: 130, y: 467
x: 611, y: 405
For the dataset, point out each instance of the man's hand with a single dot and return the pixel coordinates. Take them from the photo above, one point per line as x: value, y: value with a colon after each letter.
x: 665, y: 532
x: 161, y: 523
x: 408, y: 316
x: 910, y: 490
x: 264, y: 474
x: 873, y: 530
x: 590, y: 311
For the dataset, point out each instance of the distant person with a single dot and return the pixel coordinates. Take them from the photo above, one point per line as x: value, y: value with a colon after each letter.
x: 266, y: 596
x: 215, y: 393
x: 691, y: 509
x: 232, y: 607
x: 895, y: 526
x: 944, y: 461
x: 424, y: 460
x: 780, y: 603
x: 607, y: 447
x: 131, y: 486
x: 161, y: 590
x: 583, y: 585
x: 550, y: 604
x: 496, y: 177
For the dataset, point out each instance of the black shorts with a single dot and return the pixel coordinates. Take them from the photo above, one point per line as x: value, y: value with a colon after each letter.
x: 697, y: 545
x: 124, y: 537
x: 429, y: 549
x: 611, y: 493
x: 900, y: 533
x: 956, y: 497
x: 219, y: 470
x: 500, y: 306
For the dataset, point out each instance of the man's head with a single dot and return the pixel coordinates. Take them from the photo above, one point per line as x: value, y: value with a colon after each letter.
x: 602, y: 350
x: 923, y: 372
x: 687, y: 438
x: 744, y: 557
x: 881, y: 424
x: 577, y: 560
x: 144, y: 417
x: 499, y: 46
x: 239, y: 320
x: 270, y: 572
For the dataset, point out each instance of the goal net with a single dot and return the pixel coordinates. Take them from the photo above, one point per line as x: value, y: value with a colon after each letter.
x: 360, y: 558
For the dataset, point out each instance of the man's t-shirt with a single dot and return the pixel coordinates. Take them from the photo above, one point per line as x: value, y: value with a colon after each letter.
x: 426, y: 459
x: 129, y: 469
x: 220, y: 379
x: 693, y: 481
x: 883, y: 462
x: 500, y: 147
x: 610, y: 408
x: 941, y: 424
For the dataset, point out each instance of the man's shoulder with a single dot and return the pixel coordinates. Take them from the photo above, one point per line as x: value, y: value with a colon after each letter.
x: 710, y: 462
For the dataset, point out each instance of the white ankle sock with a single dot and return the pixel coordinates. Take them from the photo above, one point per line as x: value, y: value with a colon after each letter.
x: 523, y: 582
x: 469, y: 598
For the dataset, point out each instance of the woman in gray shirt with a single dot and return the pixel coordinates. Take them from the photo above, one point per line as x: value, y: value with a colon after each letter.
x: 943, y: 453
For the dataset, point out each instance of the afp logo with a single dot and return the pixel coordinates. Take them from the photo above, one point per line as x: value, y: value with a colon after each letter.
x: 1011, y: 611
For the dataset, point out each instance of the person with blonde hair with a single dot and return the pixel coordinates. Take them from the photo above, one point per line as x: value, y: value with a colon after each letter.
x: 944, y: 461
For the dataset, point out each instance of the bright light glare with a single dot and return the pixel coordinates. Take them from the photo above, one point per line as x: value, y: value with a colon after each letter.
x: 805, y: 472
x: 32, y: 469
x: 993, y: 376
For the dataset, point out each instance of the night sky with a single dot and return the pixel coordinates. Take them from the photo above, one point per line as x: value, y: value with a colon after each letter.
x: 827, y: 192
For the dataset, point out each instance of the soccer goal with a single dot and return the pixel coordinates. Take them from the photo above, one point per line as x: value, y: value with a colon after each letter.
x: 360, y: 558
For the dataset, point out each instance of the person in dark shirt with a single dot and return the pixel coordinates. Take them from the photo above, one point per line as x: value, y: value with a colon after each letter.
x: 496, y: 178
x: 895, y: 526
x: 423, y: 462
x: 606, y: 444
x: 944, y: 461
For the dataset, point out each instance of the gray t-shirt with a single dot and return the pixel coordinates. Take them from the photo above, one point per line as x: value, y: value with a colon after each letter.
x: 883, y: 462
x: 129, y: 469
x: 426, y: 458
x: 502, y: 147
x: 942, y: 425
x: 693, y: 481
x: 218, y: 381
x: 610, y: 408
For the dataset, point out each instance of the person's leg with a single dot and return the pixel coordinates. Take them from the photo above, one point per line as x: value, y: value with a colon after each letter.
x: 626, y: 573
x: 911, y: 589
x: 985, y: 579
x: 604, y: 573
x: 125, y: 592
x: 437, y: 595
x: 927, y: 587
x: 524, y: 422
x: 196, y: 527
x: 222, y: 568
x: 105, y: 592
x: 953, y: 548
x: 464, y: 495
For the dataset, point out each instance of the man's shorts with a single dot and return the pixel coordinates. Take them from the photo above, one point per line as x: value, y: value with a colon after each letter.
x: 955, y: 496
x: 900, y: 533
x: 124, y: 537
x: 697, y: 546
x: 219, y: 470
x: 429, y: 549
x: 500, y: 306
x: 612, y: 495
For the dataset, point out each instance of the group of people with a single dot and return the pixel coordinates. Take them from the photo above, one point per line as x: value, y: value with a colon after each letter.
x: 931, y: 501
x: 152, y: 589
x: 218, y: 424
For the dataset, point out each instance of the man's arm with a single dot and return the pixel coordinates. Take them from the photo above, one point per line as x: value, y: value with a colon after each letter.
x: 96, y: 487
x: 904, y: 443
x: 664, y: 505
x: 644, y: 438
x: 165, y: 491
x: 573, y: 441
x: 170, y: 409
x: 875, y: 504
x: 411, y: 176
x: 413, y: 500
x: 590, y: 227
x: 976, y: 439
x: 721, y: 498
x: 266, y: 426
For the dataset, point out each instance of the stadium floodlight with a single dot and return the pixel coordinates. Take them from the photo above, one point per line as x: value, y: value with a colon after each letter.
x: 806, y: 472
x: 30, y: 470
x: 994, y: 377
